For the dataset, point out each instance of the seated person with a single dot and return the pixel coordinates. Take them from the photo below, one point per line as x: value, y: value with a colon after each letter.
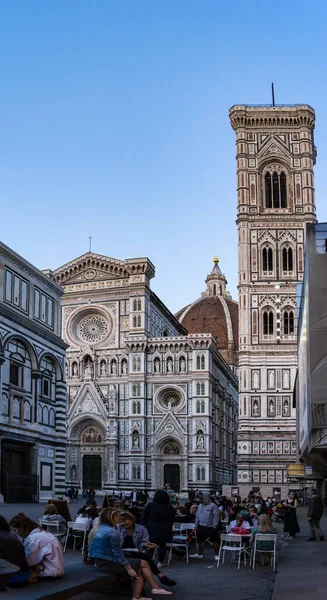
x: 12, y: 550
x: 246, y: 516
x: 105, y: 549
x: 264, y: 526
x: 50, y: 515
x: 240, y: 523
x: 182, y: 516
x: 135, y: 542
x: 84, y: 519
x: 90, y: 508
x: 43, y: 550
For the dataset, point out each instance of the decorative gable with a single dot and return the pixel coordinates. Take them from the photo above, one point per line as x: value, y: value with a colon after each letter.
x: 274, y: 148
x: 169, y: 426
x: 87, y: 402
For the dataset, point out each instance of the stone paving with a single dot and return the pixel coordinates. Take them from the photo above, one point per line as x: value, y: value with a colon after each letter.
x: 302, y: 571
x: 200, y: 579
x: 301, y: 575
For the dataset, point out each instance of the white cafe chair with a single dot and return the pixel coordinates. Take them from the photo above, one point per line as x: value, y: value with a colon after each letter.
x: 265, y: 537
x: 51, y: 527
x: 72, y: 526
x: 231, y: 542
x: 180, y: 540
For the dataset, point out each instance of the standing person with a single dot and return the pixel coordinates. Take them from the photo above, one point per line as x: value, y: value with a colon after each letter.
x: 91, y: 494
x: 206, y: 522
x: 315, y: 512
x: 291, y: 525
x: 43, y: 551
x: 105, y: 549
x: 135, y: 496
x: 158, y: 518
x: 191, y: 495
x: 144, y: 496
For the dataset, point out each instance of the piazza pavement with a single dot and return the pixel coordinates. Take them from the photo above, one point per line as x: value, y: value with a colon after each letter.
x: 301, y: 569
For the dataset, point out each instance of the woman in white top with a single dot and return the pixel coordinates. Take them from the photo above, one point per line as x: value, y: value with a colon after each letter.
x: 85, y: 520
x: 43, y: 551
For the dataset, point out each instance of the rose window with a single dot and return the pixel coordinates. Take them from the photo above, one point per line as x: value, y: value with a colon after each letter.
x: 93, y: 328
x: 171, y: 399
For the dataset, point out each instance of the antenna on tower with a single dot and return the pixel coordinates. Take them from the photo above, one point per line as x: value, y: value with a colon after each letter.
x: 273, y: 94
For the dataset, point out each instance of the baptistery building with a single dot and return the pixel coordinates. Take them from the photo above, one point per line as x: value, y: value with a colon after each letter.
x: 32, y: 383
x: 147, y: 402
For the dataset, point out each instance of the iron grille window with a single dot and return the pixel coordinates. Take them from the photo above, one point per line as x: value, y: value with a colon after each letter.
x: 275, y: 190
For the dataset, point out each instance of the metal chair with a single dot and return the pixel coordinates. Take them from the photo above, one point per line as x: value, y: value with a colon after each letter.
x: 231, y: 542
x: 265, y: 537
x: 50, y: 526
x: 180, y: 540
x: 71, y: 525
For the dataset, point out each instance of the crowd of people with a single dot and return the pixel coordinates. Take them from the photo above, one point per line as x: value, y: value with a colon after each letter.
x: 125, y: 539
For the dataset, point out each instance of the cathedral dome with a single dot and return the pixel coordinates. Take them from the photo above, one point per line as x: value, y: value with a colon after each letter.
x: 216, y: 313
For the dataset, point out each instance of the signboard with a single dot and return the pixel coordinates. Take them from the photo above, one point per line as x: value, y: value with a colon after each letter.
x: 308, y: 470
x: 234, y: 491
x: 295, y: 470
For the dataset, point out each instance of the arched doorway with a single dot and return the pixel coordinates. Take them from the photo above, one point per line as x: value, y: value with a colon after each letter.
x: 172, y: 470
x: 172, y: 476
x: 92, y: 471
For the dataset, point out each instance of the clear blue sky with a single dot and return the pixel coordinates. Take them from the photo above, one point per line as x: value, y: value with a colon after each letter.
x: 114, y: 123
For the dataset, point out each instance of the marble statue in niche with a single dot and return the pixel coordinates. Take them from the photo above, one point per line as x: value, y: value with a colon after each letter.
x: 200, y: 440
x: 88, y: 370
x: 103, y: 369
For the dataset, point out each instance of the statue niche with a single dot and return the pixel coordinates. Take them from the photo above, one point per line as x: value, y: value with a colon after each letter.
x: 92, y: 436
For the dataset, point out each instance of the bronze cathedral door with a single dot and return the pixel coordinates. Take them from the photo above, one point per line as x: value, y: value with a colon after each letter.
x: 92, y: 472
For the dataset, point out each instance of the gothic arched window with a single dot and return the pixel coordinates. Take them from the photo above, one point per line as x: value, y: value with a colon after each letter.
x: 267, y: 259
x: 288, y: 322
x: 200, y: 362
x: 275, y: 190
x: 200, y: 473
x: 287, y: 259
x: 268, y: 190
x: 136, y: 408
x: 136, y: 305
x: 268, y: 322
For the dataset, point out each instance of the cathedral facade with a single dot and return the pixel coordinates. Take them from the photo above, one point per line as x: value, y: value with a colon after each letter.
x: 275, y: 156
x: 147, y: 403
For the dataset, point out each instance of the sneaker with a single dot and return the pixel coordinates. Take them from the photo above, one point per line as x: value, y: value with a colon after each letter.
x: 166, y: 581
x: 216, y: 557
x: 160, y: 565
x: 161, y: 592
x: 290, y: 537
x: 311, y: 540
x: 321, y: 538
x: 195, y: 555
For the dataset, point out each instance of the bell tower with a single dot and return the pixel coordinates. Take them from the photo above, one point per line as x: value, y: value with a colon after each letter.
x: 275, y: 156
